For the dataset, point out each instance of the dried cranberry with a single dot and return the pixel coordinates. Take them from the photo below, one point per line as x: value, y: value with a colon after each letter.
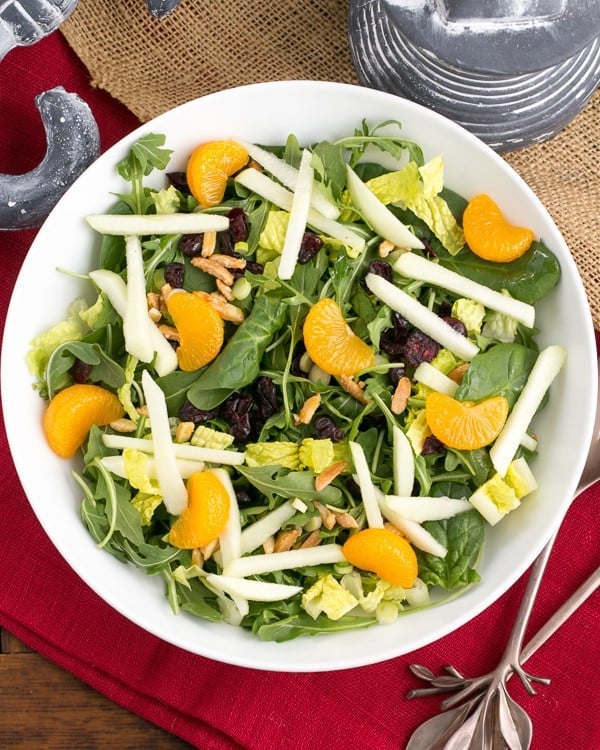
x: 174, y: 274
x: 266, y: 398
x: 237, y: 231
x: 394, y: 375
x: 309, y: 247
x: 80, y: 371
x: 379, y: 268
x: 179, y: 181
x: 239, y: 227
x: 191, y: 244
x: 391, y: 344
x: 458, y: 325
x: 352, y: 487
x: 236, y: 405
x: 241, y: 429
x: 419, y: 348
x: 236, y: 412
x: 375, y: 419
x: 243, y: 497
x: 190, y: 413
x: 295, y: 368
x: 432, y: 446
x: 429, y: 251
x: 325, y: 427
x: 401, y: 325
x: 254, y: 267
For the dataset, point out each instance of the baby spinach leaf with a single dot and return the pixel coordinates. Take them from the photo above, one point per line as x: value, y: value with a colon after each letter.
x: 462, y: 536
x: 112, y: 247
x: 500, y: 371
x: 238, y: 364
x: 477, y: 463
x: 530, y: 278
x: 175, y: 387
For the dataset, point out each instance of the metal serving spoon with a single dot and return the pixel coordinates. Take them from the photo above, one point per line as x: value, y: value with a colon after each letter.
x: 482, y: 714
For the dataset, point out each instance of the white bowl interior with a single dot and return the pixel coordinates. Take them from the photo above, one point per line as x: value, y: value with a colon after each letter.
x: 266, y: 113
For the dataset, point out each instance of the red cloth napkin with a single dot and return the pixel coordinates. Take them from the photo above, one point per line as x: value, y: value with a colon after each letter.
x: 216, y: 706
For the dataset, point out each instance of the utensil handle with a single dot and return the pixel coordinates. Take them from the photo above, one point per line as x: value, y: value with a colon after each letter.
x: 513, y: 647
x: 561, y: 615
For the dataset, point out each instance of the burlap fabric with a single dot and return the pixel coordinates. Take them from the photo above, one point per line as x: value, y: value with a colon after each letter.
x: 208, y: 45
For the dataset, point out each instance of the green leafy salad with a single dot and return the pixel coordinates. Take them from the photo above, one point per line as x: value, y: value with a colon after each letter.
x: 303, y: 382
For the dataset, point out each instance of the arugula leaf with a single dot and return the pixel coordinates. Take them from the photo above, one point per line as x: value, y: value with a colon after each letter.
x: 158, y: 252
x: 145, y: 155
x: 199, y: 601
x: 394, y: 145
x: 270, y: 481
x: 104, y: 369
x: 329, y: 164
x: 303, y: 624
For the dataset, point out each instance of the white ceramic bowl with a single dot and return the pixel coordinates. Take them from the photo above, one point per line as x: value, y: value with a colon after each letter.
x: 266, y: 113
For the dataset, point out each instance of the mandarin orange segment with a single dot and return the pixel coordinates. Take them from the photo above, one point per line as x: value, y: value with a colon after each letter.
x: 72, y: 412
x: 332, y: 344
x: 206, y: 513
x: 463, y: 425
x: 209, y: 167
x: 489, y: 235
x: 200, y: 327
x: 385, y: 553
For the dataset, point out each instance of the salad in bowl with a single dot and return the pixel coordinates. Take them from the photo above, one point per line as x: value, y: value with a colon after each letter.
x: 308, y: 380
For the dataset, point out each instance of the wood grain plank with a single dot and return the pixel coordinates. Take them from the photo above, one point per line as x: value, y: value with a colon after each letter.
x: 10, y: 644
x: 44, y: 706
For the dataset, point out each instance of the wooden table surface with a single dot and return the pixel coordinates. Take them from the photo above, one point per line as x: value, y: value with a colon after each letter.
x: 43, y: 706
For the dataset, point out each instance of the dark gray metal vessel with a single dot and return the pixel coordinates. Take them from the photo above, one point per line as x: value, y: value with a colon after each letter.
x: 513, y: 72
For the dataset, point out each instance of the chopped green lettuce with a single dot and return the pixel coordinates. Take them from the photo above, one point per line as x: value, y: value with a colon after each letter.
x: 329, y: 596
x: 444, y: 361
x: 471, y: 313
x: 276, y: 452
x: 166, y: 201
x: 272, y: 236
x: 494, y: 499
x: 417, y: 189
x: 124, y: 392
x: 149, y: 496
x: 98, y: 314
x: 146, y: 505
x: 42, y: 346
x: 501, y: 328
x: 136, y: 470
x: 520, y: 477
x: 316, y: 455
x: 206, y: 437
x: 418, y: 431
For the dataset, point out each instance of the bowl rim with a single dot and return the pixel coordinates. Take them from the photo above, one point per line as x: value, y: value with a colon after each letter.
x: 284, y: 659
